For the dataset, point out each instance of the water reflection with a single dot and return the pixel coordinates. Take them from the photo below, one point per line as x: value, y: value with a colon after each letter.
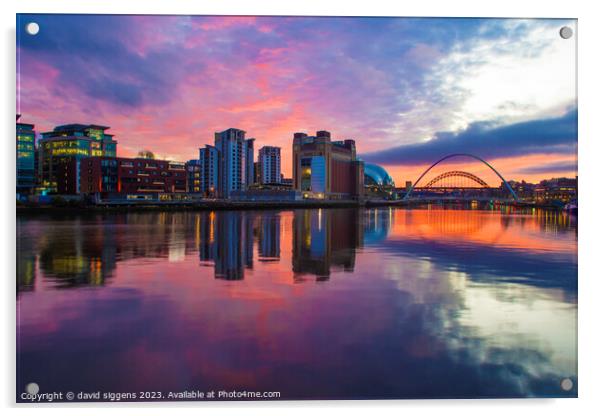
x: 269, y: 237
x: 227, y: 242
x: 529, y: 248
x: 325, y: 239
x: 411, y: 303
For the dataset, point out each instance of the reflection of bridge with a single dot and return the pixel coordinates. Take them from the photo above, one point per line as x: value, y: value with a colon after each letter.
x: 455, y: 185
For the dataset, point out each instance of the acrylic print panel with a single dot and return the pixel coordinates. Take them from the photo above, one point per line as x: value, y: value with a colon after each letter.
x: 289, y: 208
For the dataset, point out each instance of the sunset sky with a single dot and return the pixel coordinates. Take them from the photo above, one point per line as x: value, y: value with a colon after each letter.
x: 408, y: 90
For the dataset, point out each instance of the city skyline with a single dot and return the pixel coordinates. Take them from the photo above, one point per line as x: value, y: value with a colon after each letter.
x: 295, y: 208
x: 406, y: 90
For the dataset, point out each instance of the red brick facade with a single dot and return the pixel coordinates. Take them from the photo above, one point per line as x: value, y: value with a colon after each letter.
x: 344, y: 174
x: 131, y: 176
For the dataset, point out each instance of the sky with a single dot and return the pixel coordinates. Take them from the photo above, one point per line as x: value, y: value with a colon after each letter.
x: 408, y: 90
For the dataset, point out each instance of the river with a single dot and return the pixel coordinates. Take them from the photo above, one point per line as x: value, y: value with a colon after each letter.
x: 312, y: 304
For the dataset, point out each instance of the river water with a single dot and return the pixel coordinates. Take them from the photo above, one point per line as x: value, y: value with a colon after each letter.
x: 312, y: 304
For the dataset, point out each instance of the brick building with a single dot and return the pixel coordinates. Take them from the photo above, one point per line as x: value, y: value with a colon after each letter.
x: 326, y: 169
x: 131, y: 176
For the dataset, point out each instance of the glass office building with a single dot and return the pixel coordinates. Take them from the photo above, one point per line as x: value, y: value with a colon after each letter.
x: 377, y: 181
x: 67, y: 145
x: 25, y: 158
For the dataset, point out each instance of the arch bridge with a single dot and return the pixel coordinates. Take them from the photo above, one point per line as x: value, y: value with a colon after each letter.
x: 457, y: 175
x: 456, y: 179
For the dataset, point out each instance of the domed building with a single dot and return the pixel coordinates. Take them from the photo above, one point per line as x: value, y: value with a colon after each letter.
x: 377, y: 182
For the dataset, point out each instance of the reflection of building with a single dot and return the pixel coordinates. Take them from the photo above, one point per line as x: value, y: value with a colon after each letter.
x: 131, y: 176
x: 324, y: 238
x: 26, y: 258
x: 72, y: 254
x: 206, y: 236
x: 25, y: 157
x: 557, y: 189
x: 61, y: 151
x: 226, y: 239
x: 326, y: 169
x: 26, y: 270
x: 268, y: 164
x: 378, y: 222
x: 236, y: 164
x: 377, y: 182
x: 79, y: 255
x: 75, y: 255
x: 269, y: 237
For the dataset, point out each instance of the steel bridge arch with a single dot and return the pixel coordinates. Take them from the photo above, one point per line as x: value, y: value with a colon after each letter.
x: 514, y: 196
x: 457, y: 173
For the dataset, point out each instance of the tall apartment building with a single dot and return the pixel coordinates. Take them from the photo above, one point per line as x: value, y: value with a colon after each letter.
x: 64, y: 147
x: 25, y: 157
x: 203, y: 172
x: 193, y: 176
x: 236, y: 161
x: 209, y: 167
x: 326, y: 169
x: 268, y: 163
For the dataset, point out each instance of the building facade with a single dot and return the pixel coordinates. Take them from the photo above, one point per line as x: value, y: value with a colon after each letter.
x: 209, y: 169
x: 202, y: 173
x: 62, y: 150
x: 131, y: 176
x: 26, y: 177
x: 524, y: 190
x: 377, y: 182
x: 268, y: 164
x: 193, y: 176
x: 556, y: 190
x: 236, y: 161
x: 326, y: 169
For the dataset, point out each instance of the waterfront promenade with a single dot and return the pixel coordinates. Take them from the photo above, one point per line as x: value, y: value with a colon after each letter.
x: 217, y: 204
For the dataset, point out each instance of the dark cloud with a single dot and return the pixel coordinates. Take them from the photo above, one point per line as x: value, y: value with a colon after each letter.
x: 100, y: 55
x: 550, y: 168
x: 547, y: 136
x: 97, y: 56
x: 115, y: 91
x: 362, y: 77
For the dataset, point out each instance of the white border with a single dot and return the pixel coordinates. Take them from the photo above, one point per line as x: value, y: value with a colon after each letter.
x: 590, y: 278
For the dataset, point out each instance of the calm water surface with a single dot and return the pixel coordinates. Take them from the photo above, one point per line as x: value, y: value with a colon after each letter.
x: 321, y: 303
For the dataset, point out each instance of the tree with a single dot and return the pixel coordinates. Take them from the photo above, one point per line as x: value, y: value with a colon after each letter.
x: 146, y: 154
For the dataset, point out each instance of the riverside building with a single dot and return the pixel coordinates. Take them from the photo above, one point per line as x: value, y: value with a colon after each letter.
x: 202, y: 172
x: 327, y: 169
x: 25, y: 158
x: 268, y: 164
x: 61, y: 150
x: 131, y: 177
x: 235, y: 163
